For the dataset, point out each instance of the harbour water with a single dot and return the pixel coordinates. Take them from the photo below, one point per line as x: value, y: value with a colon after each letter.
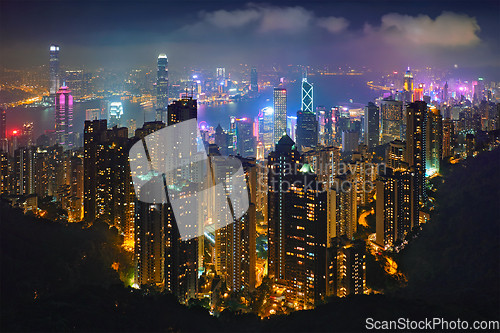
x: 328, y: 91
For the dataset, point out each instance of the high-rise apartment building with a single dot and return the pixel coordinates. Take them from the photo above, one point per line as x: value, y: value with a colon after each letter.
x: 434, y: 141
x: 266, y: 129
x: 396, y: 209
x: 280, y: 105
x: 416, y: 144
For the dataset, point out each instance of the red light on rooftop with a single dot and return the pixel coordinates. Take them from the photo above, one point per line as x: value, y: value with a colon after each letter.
x: 14, y: 132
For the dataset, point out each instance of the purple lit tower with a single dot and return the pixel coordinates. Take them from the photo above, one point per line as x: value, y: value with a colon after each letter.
x: 64, y: 117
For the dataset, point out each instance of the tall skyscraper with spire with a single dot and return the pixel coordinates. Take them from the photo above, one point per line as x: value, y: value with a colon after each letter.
x: 55, y: 77
x: 279, y: 113
x: 162, y: 82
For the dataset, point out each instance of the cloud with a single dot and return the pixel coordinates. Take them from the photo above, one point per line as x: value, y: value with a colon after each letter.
x: 333, y: 24
x: 270, y: 19
x: 236, y: 18
x: 291, y: 19
x: 448, y: 29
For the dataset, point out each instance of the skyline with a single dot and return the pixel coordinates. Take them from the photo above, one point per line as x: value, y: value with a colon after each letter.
x: 384, y: 36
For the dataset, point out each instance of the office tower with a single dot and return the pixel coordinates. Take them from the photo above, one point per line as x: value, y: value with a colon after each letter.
x: 54, y: 70
x: 395, y: 155
x: 342, y: 123
x: 416, y: 150
x: 324, y: 161
x: 254, y: 82
x: 307, y: 96
x: 342, y: 206
x: 115, y: 114
x: 162, y: 82
x: 74, y: 81
x: 3, y: 124
x: 445, y: 92
x: 182, y: 110
x: 391, y: 116
x: 371, y: 125
x: 448, y: 137
x: 307, y: 130
x: 297, y: 227
x: 92, y: 114
x: 245, y: 140
x: 320, y: 116
x: 266, y: 128
x: 396, y: 207
x: 279, y: 102
x: 64, y: 118
x: 408, y: 87
x: 434, y: 141
x: 350, y: 141
x: 346, y: 273
x: 418, y: 93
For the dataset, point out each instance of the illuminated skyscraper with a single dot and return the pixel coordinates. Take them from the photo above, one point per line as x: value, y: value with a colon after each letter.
x: 55, y: 79
x: 408, y: 86
x: 307, y: 130
x: 279, y: 103
x: 162, y: 82
x: 371, y: 125
x: 115, y: 114
x: 434, y: 141
x: 391, y: 116
x: 297, y: 226
x: 416, y: 150
x: 266, y: 128
x: 307, y: 95
x: 64, y: 117
x: 418, y: 93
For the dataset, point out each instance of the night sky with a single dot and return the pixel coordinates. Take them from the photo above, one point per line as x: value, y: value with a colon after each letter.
x: 383, y: 35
